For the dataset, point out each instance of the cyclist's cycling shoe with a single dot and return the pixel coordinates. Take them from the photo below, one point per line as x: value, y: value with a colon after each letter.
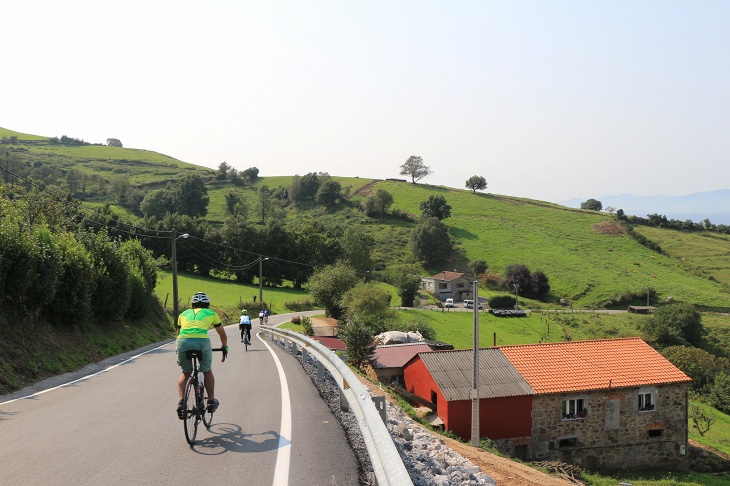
x: 213, y: 406
x: 181, y: 410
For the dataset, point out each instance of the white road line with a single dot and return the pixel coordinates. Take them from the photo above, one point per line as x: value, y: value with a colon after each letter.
x: 84, y: 377
x: 281, y: 470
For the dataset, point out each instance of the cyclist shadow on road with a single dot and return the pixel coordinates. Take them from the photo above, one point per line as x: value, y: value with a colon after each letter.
x: 228, y: 437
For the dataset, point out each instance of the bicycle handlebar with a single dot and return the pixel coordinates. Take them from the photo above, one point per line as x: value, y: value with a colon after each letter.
x: 224, y: 351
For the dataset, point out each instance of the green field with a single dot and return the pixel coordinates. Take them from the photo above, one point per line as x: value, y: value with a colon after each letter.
x: 226, y: 295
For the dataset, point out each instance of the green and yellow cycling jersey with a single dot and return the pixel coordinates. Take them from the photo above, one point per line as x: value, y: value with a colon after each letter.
x: 195, y: 323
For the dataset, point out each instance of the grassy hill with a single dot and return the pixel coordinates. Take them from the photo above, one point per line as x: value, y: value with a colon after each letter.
x: 587, y: 257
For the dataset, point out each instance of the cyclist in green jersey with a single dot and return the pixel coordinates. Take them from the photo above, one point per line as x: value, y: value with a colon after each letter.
x: 193, y: 325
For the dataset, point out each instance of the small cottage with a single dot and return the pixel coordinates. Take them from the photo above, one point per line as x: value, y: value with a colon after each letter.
x: 610, y: 403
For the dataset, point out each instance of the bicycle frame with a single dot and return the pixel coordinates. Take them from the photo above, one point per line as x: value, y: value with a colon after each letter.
x: 197, y: 412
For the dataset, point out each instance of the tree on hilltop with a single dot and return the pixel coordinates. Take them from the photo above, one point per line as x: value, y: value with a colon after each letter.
x: 415, y: 168
x: 476, y: 183
x: 592, y: 205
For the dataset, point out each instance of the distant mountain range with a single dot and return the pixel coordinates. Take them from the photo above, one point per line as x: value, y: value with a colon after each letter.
x: 713, y: 205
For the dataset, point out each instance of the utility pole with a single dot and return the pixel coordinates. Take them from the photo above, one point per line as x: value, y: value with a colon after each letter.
x: 175, y: 306
x: 261, y: 280
x: 475, y: 380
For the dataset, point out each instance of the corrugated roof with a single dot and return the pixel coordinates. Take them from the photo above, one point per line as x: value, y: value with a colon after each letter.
x: 397, y: 355
x: 591, y: 365
x: 453, y: 373
x: 330, y: 342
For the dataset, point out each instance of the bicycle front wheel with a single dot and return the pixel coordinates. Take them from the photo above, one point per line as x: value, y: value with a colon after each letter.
x: 191, y: 412
x: 207, y: 416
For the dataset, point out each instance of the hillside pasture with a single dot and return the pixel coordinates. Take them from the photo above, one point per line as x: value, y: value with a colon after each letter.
x: 584, y: 264
x: 704, y: 254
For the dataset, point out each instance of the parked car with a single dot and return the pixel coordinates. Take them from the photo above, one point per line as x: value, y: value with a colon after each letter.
x: 469, y: 304
x: 449, y: 303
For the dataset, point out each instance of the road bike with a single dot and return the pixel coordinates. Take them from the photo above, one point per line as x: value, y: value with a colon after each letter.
x: 194, y: 398
x: 246, y: 335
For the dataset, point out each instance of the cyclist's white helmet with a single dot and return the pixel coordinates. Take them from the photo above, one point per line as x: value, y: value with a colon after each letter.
x: 200, y: 297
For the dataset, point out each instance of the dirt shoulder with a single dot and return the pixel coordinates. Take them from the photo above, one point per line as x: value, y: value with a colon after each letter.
x: 502, y: 470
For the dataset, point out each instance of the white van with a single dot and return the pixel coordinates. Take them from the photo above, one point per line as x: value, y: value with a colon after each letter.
x: 449, y: 303
x: 469, y: 304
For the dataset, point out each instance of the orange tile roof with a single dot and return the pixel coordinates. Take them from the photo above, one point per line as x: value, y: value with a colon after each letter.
x: 591, y: 365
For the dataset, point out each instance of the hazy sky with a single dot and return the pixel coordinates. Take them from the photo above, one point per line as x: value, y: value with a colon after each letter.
x: 545, y: 99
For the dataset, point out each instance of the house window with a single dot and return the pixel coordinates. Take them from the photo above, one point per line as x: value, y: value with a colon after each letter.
x: 460, y: 285
x: 574, y: 409
x: 647, y: 400
x: 443, y: 285
x: 656, y: 433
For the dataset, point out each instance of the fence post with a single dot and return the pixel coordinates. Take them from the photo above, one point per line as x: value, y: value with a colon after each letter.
x: 380, y: 405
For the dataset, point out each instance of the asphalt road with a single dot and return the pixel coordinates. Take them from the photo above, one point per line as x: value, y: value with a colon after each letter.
x: 120, y: 427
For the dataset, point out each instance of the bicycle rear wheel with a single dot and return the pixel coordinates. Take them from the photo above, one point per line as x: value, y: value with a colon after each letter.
x: 191, y: 412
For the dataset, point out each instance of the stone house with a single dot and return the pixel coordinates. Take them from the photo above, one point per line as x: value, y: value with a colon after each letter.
x: 610, y: 403
x: 445, y: 285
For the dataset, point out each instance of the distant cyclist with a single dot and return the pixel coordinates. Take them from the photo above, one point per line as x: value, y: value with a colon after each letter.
x: 244, y: 325
x: 266, y: 315
x: 261, y: 317
x: 193, y: 325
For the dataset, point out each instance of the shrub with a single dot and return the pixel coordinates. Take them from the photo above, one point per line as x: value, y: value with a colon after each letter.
x: 299, y: 305
x: 502, y: 302
x: 306, y: 323
x: 720, y: 393
x: 417, y: 324
x: 359, y: 340
x: 674, y: 324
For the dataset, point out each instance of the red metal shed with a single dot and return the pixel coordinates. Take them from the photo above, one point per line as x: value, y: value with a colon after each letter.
x: 445, y: 379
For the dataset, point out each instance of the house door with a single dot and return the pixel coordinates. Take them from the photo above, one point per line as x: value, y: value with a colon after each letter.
x: 434, y: 399
x: 521, y: 452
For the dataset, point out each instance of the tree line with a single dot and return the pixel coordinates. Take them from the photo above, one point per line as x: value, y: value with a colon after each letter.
x: 52, y: 266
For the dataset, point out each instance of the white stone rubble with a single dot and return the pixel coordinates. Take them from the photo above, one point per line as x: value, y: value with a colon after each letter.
x: 427, y: 459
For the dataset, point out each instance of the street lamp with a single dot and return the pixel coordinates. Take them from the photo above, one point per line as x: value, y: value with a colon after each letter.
x: 261, y: 275
x: 175, y: 308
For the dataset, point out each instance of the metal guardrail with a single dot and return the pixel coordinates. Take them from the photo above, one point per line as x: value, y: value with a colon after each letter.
x: 387, y: 464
